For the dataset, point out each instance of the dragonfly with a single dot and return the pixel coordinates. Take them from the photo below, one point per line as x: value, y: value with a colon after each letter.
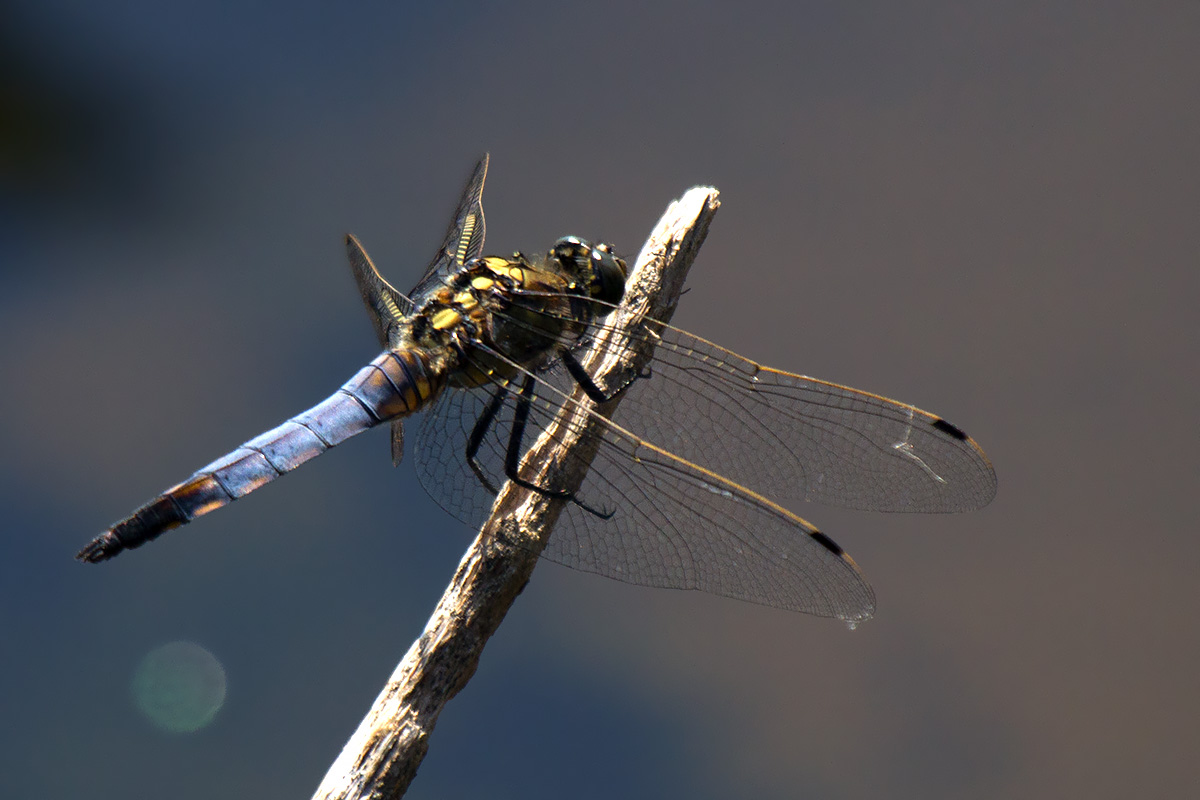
x: 687, y: 478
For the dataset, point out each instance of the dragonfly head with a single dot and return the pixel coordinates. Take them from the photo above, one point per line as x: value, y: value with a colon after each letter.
x: 595, y: 268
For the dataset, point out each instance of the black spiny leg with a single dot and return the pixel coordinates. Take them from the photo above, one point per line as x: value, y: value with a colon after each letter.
x: 485, y: 421
x: 581, y: 377
x: 512, y: 460
x: 516, y: 436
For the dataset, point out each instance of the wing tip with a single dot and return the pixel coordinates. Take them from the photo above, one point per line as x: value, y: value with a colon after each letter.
x: 852, y: 615
x: 828, y: 544
x: 949, y: 429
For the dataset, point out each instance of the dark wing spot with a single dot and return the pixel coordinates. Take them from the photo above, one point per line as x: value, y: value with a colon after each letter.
x: 948, y: 429
x: 827, y: 543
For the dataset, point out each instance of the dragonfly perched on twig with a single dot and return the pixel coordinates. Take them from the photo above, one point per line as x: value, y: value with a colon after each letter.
x: 687, y: 476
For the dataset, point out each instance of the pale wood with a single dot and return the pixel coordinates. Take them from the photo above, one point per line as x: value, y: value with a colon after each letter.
x: 381, y: 758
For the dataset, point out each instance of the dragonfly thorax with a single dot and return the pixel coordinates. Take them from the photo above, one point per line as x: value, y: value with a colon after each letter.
x: 501, y: 315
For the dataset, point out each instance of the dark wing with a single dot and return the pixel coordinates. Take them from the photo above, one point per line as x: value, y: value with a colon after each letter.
x: 385, y: 305
x: 464, y: 240
x: 643, y: 515
x: 464, y: 237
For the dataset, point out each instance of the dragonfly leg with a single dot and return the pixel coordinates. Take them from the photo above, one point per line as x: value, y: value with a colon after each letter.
x: 485, y: 421
x: 516, y: 436
x: 585, y: 382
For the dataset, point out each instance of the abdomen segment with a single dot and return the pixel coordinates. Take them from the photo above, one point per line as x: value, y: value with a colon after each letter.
x: 395, y: 384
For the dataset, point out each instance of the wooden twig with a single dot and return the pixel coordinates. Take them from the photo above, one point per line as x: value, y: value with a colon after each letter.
x: 381, y: 758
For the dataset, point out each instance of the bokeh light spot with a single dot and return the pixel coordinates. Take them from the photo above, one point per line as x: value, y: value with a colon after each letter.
x: 179, y: 687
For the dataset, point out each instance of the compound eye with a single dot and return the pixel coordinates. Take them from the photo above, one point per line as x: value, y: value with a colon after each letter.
x: 601, y: 273
x: 575, y: 256
x: 608, y: 275
x: 571, y: 248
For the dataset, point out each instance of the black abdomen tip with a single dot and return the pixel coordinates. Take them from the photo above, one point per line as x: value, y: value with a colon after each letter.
x: 150, y: 521
x: 102, y: 548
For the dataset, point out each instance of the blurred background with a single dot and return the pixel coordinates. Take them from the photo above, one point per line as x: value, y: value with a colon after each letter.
x: 987, y: 210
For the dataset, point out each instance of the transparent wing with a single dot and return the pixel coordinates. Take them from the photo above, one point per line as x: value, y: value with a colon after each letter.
x: 672, y: 496
x: 643, y: 515
x: 795, y: 437
x: 440, y: 453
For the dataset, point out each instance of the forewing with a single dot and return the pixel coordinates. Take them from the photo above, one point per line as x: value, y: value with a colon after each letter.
x: 791, y: 436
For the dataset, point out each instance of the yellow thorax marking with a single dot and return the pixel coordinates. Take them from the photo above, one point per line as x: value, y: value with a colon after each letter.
x: 502, y: 267
x: 465, y: 300
x: 481, y: 284
x: 446, y: 318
